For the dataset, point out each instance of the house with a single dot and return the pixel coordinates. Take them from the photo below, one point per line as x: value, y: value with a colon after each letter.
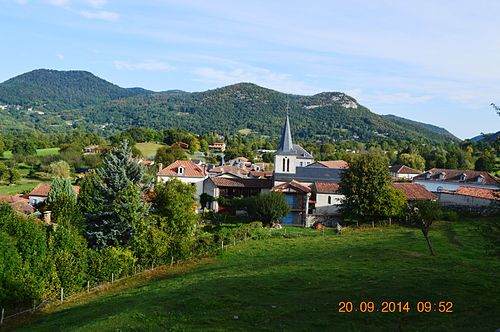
x: 18, y: 203
x: 438, y: 179
x: 337, y: 164
x: 414, y: 191
x: 186, y: 171
x: 231, y: 187
x: 219, y: 146
x: 228, y: 169
x: 41, y: 192
x: 297, y: 196
x: 470, y: 197
x: 261, y: 174
x: 95, y: 149
x: 326, y: 197
x: 181, y: 145
x: 262, y: 167
x: 403, y: 172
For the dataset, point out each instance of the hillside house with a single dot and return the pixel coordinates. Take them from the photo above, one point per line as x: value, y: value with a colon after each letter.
x: 470, y: 198
x: 403, y: 172
x: 40, y: 193
x: 181, y: 145
x: 218, y: 146
x: 232, y: 187
x: 439, y: 179
x: 18, y: 203
x: 186, y: 171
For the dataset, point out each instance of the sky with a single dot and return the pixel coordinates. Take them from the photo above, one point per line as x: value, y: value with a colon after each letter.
x: 436, y: 62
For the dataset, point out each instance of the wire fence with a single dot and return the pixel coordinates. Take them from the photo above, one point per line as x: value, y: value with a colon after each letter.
x: 221, y: 245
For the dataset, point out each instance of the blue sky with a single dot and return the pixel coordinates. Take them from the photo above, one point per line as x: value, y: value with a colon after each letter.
x: 431, y: 61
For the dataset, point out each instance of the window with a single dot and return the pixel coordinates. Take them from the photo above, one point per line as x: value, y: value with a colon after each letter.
x: 288, y: 165
x: 329, y: 200
x: 180, y: 170
x: 283, y: 165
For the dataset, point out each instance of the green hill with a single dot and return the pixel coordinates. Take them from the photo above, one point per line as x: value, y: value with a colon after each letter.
x: 59, y: 90
x: 296, y: 283
x: 55, y: 101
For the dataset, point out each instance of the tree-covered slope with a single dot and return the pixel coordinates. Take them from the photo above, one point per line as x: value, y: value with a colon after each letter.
x: 58, y: 90
x: 55, y: 101
x: 248, y: 106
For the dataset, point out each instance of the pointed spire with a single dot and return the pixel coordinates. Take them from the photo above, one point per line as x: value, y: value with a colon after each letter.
x: 286, y: 143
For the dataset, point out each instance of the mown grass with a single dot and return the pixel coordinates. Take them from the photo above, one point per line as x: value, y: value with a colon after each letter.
x: 295, y: 284
x: 23, y: 186
x: 39, y: 153
x: 148, y: 149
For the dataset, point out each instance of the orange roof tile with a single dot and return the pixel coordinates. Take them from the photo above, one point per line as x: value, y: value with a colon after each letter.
x: 43, y: 190
x: 476, y: 192
x: 190, y: 169
x: 326, y: 187
x: 414, y: 191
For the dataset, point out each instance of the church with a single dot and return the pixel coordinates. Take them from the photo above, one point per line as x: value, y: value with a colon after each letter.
x: 310, y: 188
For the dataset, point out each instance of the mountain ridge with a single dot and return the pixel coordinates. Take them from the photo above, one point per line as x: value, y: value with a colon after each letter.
x: 74, y: 98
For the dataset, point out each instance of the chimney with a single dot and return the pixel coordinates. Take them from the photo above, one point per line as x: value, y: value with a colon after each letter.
x: 160, y: 167
x: 47, y: 217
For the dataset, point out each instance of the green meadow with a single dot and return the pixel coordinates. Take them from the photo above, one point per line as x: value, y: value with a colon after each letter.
x: 295, y: 280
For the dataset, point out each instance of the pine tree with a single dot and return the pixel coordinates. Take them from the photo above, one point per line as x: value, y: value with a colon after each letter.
x: 62, y: 201
x: 111, y: 199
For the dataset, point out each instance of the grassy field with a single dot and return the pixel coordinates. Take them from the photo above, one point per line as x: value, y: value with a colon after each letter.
x: 18, y: 188
x: 148, y: 149
x: 39, y: 152
x: 296, y: 283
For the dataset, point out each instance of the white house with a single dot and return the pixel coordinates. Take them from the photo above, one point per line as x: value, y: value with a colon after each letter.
x: 470, y: 197
x: 40, y: 193
x: 404, y: 172
x: 186, y: 171
x: 327, y: 198
x: 438, y: 179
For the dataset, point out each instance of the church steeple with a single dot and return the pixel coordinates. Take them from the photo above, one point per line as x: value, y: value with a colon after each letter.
x: 286, y: 144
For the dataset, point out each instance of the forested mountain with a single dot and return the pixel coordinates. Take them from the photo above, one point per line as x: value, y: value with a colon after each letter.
x: 59, y: 90
x: 81, y: 99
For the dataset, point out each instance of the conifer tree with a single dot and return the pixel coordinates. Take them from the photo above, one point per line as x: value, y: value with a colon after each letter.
x: 111, y: 199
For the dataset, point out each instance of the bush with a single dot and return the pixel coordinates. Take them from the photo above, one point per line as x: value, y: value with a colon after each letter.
x: 450, y: 216
x: 110, y: 260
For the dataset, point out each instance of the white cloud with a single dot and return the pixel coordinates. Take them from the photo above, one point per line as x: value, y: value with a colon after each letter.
x: 146, y: 65
x: 60, y: 56
x: 261, y: 76
x: 96, y: 3
x: 100, y: 15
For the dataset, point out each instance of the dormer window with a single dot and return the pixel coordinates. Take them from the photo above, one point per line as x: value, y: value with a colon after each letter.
x: 180, y: 170
x: 463, y: 176
x: 427, y: 175
x: 442, y: 176
x: 480, y: 179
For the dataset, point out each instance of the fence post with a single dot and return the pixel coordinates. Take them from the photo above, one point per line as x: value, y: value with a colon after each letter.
x: 88, y: 286
x: 222, y: 244
x: 234, y: 241
x: 112, y: 277
x: 172, y: 261
x: 62, y: 294
x: 1, y: 317
x: 135, y: 270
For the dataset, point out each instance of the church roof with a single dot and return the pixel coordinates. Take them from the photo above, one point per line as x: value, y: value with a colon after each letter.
x: 311, y: 174
x: 286, y: 145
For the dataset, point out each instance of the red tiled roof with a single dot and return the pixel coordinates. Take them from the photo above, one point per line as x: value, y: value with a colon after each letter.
x: 342, y: 164
x: 326, y: 187
x: 453, y: 175
x: 476, y: 192
x: 43, y: 190
x: 242, y: 183
x: 414, y: 191
x: 229, y: 169
x: 190, y: 169
x: 292, y: 184
x: 181, y: 145
x: 18, y: 203
x: 403, y: 169
x: 258, y: 174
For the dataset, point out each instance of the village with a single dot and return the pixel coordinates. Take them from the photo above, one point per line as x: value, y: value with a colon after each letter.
x: 310, y: 187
